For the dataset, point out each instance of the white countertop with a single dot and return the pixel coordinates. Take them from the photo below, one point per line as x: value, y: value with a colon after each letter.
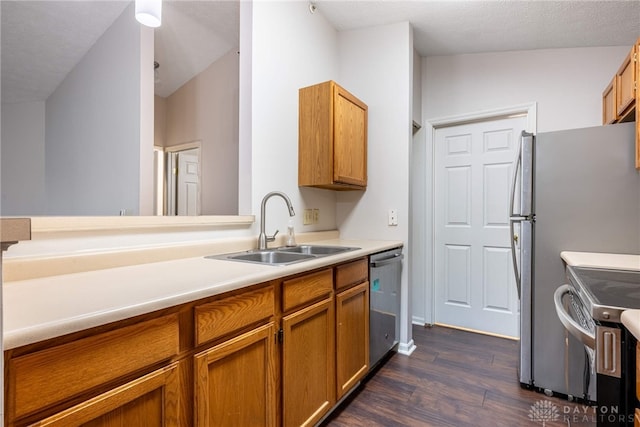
x: 601, y: 260
x: 39, y: 309
x: 631, y: 320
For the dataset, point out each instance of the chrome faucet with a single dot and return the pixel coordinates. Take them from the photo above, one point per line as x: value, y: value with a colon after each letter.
x: 263, y: 239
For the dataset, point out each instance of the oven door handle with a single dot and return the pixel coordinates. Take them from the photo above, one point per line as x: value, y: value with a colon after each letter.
x: 584, y: 336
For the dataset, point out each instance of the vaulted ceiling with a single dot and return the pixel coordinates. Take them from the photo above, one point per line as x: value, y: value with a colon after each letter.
x: 42, y: 40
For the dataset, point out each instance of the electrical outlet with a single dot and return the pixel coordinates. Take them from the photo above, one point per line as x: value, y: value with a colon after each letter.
x: 307, y: 217
x: 393, y: 217
x: 316, y: 216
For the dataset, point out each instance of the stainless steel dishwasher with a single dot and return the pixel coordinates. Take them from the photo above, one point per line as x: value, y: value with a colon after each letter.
x: 385, y: 272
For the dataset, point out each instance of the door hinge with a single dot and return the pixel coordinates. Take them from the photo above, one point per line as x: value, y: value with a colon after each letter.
x: 280, y: 336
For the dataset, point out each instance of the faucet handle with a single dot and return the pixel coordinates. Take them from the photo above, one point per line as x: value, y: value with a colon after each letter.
x: 272, y: 238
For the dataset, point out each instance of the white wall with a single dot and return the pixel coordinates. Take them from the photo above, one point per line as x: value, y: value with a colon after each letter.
x: 206, y: 109
x: 420, y: 256
x: 376, y: 66
x: 292, y: 48
x: 22, y: 181
x: 566, y: 84
x: 92, y: 166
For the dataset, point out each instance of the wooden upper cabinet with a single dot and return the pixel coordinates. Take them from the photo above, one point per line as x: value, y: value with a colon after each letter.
x: 620, y: 99
x: 609, y: 110
x: 332, y: 140
x: 625, y: 85
x: 638, y: 103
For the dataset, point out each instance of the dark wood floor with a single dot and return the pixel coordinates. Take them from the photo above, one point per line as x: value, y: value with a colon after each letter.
x: 454, y: 378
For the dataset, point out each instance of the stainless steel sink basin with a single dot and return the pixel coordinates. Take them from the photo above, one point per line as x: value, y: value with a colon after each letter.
x: 284, y: 255
x: 268, y: 256
x: 317, y: 250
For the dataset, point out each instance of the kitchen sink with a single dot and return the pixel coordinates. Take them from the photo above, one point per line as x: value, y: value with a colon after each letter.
x: 283, y: 255
x: 267, y: 256
x: 316, y: 250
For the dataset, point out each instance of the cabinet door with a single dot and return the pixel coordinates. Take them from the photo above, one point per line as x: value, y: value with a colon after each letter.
x: 638, y: 370
x: 609, y: 103
x: 638, y: 104
x: 308, y: 364
x: 350, y: 139
x: 236, y: 381
x: 352, y: 337
x: 625, y: 84
x: 152, y: 400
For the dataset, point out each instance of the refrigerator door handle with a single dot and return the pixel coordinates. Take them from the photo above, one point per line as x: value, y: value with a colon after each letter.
x: 513, y: 254
x: 514, y: 180
x: 513, y: 219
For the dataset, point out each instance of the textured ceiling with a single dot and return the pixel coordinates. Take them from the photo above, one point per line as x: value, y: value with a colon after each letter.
x: 464, y: 26
x: 42, y: 40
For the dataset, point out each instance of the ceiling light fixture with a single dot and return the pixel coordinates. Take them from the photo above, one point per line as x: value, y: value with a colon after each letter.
x: 149, y: 12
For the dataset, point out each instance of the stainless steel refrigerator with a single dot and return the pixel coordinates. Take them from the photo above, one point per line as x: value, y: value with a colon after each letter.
x: 573, y: 190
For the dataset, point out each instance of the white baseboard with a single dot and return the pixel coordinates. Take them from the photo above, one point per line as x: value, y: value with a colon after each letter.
x: 406, y: 348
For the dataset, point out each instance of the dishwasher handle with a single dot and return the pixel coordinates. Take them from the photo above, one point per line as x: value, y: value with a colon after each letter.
x: 385, y: 261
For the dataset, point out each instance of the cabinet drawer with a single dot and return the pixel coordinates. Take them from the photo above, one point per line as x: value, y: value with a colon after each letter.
x: 352, y: 273
x: 49, y: 376
x: 222, y: 317
x: 307, y: 288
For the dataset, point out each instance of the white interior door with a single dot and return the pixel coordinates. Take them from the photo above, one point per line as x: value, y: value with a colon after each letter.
x: 474, y: 282
x: 188, y: 187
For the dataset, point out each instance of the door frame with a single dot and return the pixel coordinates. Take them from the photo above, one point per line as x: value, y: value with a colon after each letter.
x: 529, y: 110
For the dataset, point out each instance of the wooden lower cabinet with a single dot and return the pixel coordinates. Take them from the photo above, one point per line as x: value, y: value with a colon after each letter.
x: 352, y: 337
x: 153, y: 400
x: 236, y: 381
x: 280, y: 353
x: 308, y: 364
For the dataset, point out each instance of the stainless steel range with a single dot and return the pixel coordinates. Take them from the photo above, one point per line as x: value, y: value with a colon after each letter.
x: 589, y: 307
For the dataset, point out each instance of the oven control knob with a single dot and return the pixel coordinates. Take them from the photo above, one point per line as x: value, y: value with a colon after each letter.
x: 606, y: 314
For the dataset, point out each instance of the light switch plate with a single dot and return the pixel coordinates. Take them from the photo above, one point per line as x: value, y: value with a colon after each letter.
x: 307, y: 217
x: 393, y: 217
x: 316, y: 216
